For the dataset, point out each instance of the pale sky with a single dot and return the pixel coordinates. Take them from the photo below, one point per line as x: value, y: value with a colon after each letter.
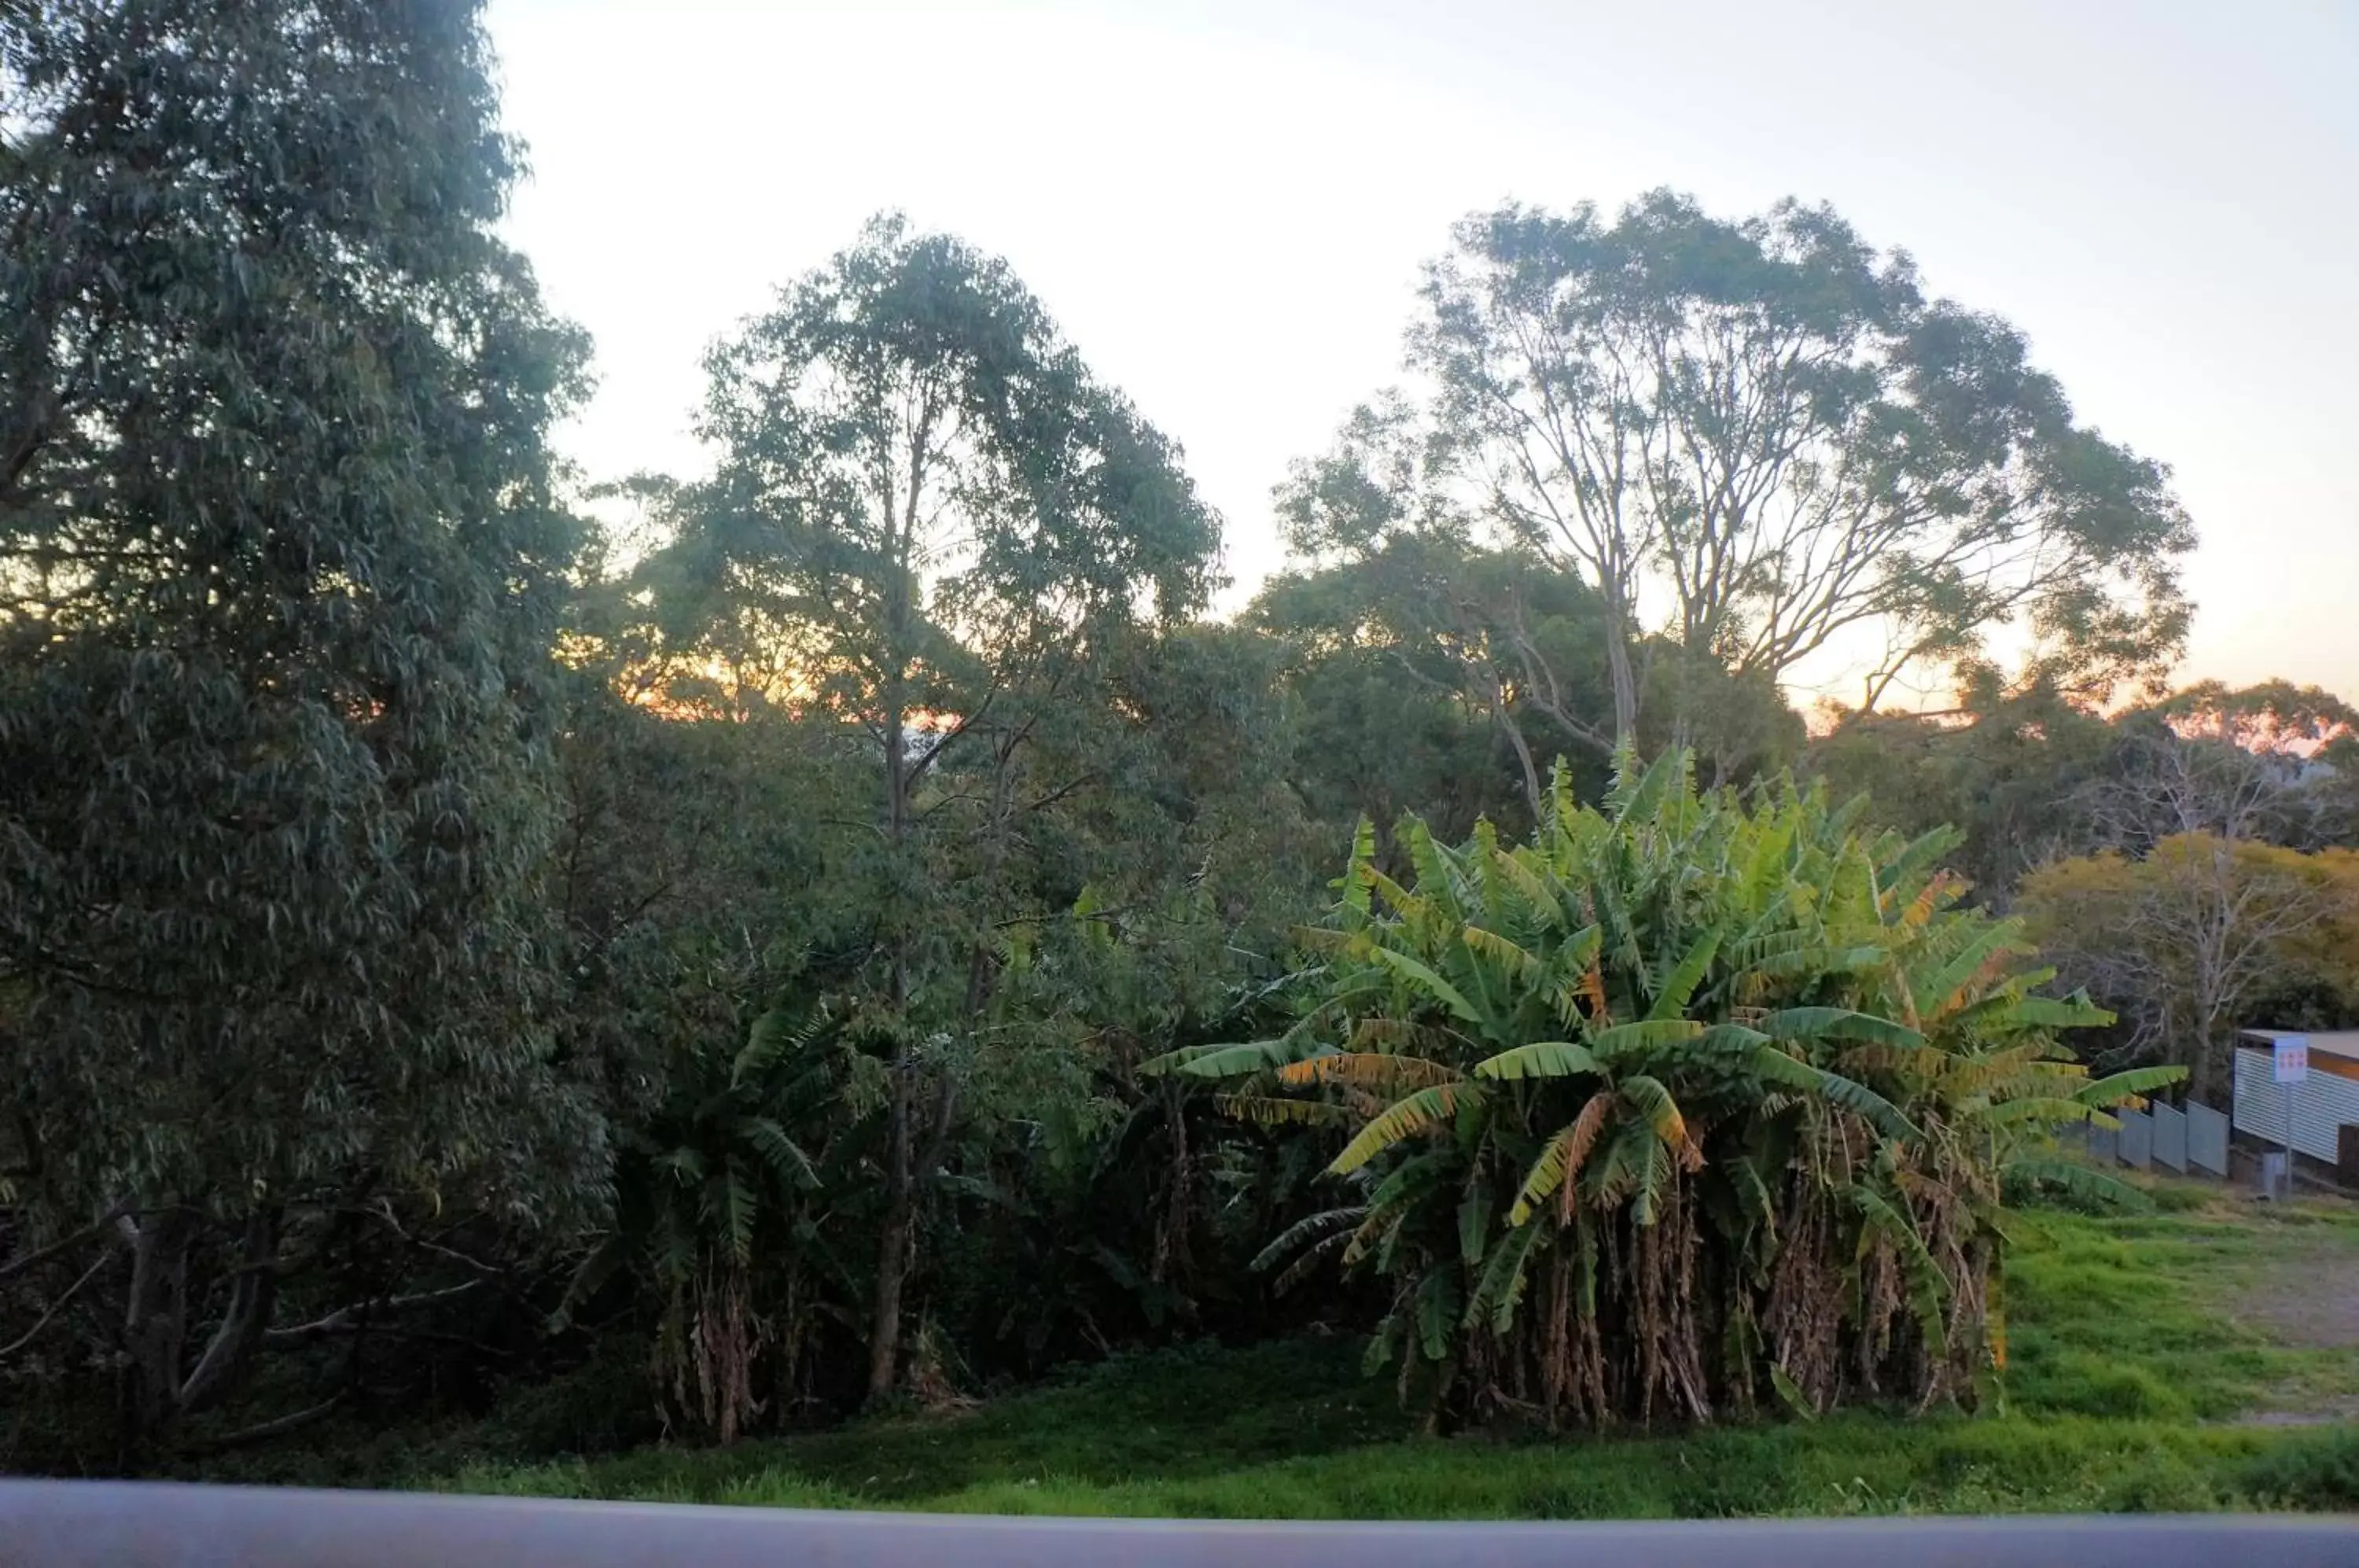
x: 1225, y: 204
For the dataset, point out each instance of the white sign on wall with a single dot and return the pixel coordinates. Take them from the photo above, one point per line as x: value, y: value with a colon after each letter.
x: 2290, y: 1060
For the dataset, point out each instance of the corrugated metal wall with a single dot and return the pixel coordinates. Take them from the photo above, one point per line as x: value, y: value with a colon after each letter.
x: 2322, y: 1103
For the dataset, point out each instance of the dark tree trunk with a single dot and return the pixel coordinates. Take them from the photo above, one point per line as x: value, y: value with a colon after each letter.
x: 229, y: 1356
x: 893, y: 1244
x: 912, y: 1167
x: 155, y: 1395
x: 154, y: 1328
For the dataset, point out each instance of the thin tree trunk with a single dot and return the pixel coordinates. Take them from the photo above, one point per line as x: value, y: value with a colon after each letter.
x: 898, y: 1252
x: 893, y: 1244
x: 2215, y: 922
x: 1626, y: 689
x: 1506, y: 722
x: 1618, y: 666
x: 896, y: 1245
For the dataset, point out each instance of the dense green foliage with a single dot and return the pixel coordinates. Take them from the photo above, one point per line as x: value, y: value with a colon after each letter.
x: 2124, y: 1333
x: 957, y: 540
x: 721, y: 976
x: 1681, y: 1107
x: 2185, y: 862
x: 278, y: 556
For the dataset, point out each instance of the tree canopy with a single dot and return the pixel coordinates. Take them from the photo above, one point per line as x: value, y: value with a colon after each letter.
x: 1759, y: 439
x: 278, y: 551
x: 869, y: 933
x: 958, y: 538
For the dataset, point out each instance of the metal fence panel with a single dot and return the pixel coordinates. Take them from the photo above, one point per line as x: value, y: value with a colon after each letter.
x: 2137, y: 1138
x: 2170, y: 1137
x: 2105, y: 1144
x: 2207, y: 1139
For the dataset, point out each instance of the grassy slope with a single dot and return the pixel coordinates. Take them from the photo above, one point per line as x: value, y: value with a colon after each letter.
x: 2129, y: 1369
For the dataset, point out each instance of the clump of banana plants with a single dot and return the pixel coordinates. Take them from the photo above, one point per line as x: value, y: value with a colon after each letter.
x: 1693, y: 1104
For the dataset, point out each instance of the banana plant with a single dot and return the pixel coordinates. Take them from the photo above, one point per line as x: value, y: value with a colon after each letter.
x: 730, y: 1196
x: 1689, y: 1103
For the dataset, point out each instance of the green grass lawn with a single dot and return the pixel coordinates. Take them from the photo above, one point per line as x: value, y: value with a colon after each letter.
x: 2143, y: 1375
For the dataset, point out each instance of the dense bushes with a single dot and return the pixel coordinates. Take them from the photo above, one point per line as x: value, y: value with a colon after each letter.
x: 2201, y: 935
x: 1685, y: 1105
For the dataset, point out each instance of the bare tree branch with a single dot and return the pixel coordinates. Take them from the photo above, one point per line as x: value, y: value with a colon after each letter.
x: 346, y: 1320
x: 55, y: 1307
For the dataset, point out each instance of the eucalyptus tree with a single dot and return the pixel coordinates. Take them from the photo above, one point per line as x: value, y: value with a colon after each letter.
x: 1763, y: 439
x: 1433, y: 675
x: 948, y: 531
x: 1424, y: 678
x: 2201, y: 935
x: 278, y: 544
x: 2253, y: 763
x: 2017, y: 772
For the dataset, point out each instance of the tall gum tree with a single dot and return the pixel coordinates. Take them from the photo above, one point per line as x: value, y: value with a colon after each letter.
x: 923, y: 492
x: 278, y: 550
x: 1761, y: 440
